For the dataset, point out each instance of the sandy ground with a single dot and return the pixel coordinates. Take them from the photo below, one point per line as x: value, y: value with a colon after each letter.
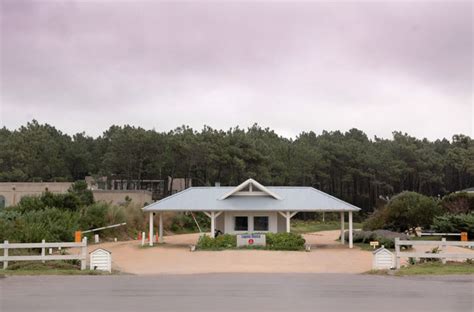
x: 174, y: 257
x: 326, y: 256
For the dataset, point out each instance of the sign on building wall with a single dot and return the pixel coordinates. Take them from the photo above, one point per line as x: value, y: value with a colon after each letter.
x: 251, y: 240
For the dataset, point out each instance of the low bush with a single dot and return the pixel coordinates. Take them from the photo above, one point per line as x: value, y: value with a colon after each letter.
x: 452, y: 223
x: 275, y: 241
x: 284, y: 241
x: 384, y: 237
x: 225, y: 241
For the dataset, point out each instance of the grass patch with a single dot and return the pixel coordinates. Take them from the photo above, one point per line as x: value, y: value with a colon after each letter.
x: 47, y: 268
x: 436, y: 268
x: 429, y: 268
x: 301, y: 227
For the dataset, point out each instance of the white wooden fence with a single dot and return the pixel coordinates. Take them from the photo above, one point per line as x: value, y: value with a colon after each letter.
x: 82, y: 255
x: 441, y: 244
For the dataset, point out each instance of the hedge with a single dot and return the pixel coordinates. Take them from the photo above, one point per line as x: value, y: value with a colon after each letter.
x: 275, y: 241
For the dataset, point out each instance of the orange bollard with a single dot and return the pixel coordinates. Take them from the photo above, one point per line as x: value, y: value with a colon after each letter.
x: 78, y: 236
x: 463, y: 236
x: 156, y: 238
x: 139, y: 235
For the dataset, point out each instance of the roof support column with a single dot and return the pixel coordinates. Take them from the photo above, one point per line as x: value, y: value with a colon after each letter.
x: 213, y: 224
x: 288, y: 215
x: 151, y: 229
x: 160, y: 230
x: 213, y: 215
x: 350, y: 230
x: 342, y: 227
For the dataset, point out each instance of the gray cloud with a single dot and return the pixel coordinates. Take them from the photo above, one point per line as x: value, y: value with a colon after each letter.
x: 290, y: 66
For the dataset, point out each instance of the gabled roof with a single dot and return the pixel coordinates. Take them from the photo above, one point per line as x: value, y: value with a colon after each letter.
x: 276, y: 198
x: 252, y: 185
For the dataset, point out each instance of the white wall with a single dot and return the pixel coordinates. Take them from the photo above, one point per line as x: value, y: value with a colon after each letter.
x: 230, y: 215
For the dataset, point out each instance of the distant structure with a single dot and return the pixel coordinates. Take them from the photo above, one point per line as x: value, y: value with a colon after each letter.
x: 12, y: 192
x: 114, y: 191
x: 176, y: 185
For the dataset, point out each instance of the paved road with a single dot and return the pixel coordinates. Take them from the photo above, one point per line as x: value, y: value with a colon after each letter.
x: 237, y: 292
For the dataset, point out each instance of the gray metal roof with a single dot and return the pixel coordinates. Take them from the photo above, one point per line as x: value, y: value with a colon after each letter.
x: 291, y: 199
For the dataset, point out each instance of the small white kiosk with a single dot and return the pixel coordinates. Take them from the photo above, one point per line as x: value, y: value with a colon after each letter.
x: 101, y: 259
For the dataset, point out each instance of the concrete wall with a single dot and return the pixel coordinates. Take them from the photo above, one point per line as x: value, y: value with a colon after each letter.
x: 281, y: 223
x: 230, y: 215
x: 14, y: 191
x: 117, y: 197
x: 220, y: 222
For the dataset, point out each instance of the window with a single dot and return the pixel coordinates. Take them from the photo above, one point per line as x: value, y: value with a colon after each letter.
x: 260, y: 223
x: 241, y: 224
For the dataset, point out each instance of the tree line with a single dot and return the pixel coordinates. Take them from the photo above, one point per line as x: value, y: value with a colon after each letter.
x: 349, y: 165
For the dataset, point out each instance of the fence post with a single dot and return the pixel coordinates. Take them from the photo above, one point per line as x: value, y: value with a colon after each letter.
x: 397, y: 253
x: 43, y: 250
x: 443, y: 246
x: 5, y: 255
x: 84, y: 253
x: 143, y: 239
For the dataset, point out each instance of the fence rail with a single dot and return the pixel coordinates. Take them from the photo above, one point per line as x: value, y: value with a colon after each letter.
x: 82, y: 256
x: 442, y: 244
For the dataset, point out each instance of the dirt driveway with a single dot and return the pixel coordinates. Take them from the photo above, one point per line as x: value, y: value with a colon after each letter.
x: 174, y: 257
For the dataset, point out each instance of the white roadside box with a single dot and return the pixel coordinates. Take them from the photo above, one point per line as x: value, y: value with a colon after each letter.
x: 101, y: 259
x: 383, y: 259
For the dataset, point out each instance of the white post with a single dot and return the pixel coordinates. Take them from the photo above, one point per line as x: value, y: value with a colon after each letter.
x: 160, y: 230
x: 96, y: 238
x: 288, y: 219
x: 443, y: 247
x: 397, y: 253
x: 143, y: 238
x: 43, y: 250
x: 84, y: 254
x: 213, y: 225
x: 324, y: 219
x: 5, y: 255
x: 350, y: 230
x: 151, y: 229
x: 342, y: 227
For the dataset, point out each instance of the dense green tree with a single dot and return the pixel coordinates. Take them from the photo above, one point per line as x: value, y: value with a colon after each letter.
x: 348, y: 164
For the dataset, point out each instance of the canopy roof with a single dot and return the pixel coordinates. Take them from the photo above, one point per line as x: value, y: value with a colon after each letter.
x: 251, y: 196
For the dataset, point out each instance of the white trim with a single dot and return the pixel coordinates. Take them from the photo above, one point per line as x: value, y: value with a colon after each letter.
x: 151, y: 229
x: 351, y: 245
x: 250, y: 183
x: 342, y: 228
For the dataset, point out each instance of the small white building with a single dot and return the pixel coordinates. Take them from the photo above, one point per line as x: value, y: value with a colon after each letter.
x: 251, y: 207
x: 101, y: 260
x: 383, y: 259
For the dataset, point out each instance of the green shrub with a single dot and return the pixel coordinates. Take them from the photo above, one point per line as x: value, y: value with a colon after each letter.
x: 458, y: 203
x: 284, y: 241
x: 403, y: 212
x: 94, y: 216
x: 225, y: 241
x: 376, y: 220
x: 51, y: 224
x: 452, y: 223
x: 384, y: 237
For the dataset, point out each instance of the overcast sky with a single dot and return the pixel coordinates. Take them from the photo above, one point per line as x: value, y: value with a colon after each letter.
x: 377, y: 66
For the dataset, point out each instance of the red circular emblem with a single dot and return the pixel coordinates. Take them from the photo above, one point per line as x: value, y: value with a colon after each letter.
x: 250, y: 241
